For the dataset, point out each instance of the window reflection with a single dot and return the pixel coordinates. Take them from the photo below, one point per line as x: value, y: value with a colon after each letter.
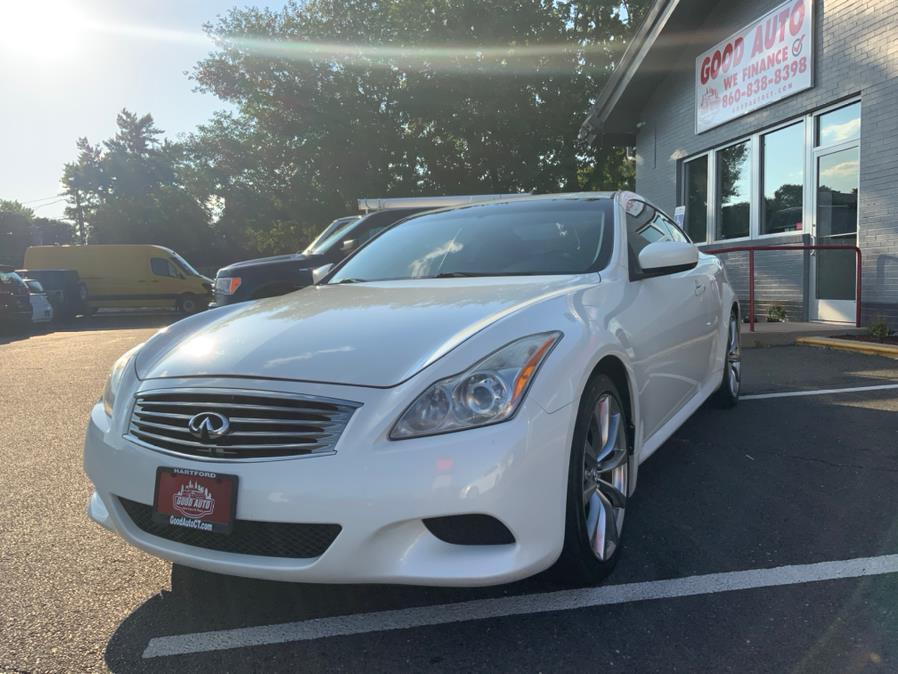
x: 783, y: 153
x: 734, y: 196
x: 837, y: 223
x: 697, y: 199
x: 839, y: 126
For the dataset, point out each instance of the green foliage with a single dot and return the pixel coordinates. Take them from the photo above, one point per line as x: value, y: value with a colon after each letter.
x: 880, y: 329
x: 20, y: 229
x: 776, y: 313
x: 131, y: 190
x: 15, y: 231
x: 340, y: 99
x: 47, y: 231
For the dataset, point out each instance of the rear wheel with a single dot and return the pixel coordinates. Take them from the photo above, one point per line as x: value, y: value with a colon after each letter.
x: 598, y: 484
x: 728, y: 393
x: 188, y: 304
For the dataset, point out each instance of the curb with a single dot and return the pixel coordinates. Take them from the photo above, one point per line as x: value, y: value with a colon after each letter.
x: 869, y: 348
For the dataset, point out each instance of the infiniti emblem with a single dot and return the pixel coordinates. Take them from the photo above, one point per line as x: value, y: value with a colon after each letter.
x: 208, y: 425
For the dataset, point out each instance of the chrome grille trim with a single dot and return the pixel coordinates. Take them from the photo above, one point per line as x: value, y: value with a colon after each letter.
x: 266, y: 424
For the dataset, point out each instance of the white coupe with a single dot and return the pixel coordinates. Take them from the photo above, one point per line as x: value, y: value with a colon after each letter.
x: 466, y: 400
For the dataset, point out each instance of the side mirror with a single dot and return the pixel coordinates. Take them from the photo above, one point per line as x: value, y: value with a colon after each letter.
x: 348, y: 245
x: 319, y: 273
x: 667, y: 257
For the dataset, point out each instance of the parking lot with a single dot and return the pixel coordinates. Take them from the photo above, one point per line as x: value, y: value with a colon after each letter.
x: 799, y: 491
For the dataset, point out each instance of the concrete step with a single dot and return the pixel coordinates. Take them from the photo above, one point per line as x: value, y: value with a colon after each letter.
x: 782, y: 334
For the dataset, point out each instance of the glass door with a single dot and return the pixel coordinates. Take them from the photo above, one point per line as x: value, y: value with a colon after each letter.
x: 835, y: 209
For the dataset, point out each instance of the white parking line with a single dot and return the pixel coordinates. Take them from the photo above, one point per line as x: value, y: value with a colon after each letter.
x: 819, y: 392
x: 481, y: 609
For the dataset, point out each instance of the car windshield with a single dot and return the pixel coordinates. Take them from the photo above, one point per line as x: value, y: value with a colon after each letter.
x: 329, y: 234
x: 528, y: 237
x: 184, y: 265
x: 338, y: 234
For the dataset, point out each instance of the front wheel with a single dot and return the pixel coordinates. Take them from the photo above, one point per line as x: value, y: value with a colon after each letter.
x: 188, y: 304
x: 727, y: 395
x: 598, y: 484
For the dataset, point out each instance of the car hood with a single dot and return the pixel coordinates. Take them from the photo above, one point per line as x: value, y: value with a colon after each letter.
x: 371, y: 334
x: 293, y: 258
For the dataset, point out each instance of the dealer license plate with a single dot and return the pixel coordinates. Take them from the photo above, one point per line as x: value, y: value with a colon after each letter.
x: 195, y: 499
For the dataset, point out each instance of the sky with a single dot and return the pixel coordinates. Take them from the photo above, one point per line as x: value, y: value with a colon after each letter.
x: 68, y: 66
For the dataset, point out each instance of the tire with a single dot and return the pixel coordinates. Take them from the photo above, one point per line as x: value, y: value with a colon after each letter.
x: 189, y: 304
x: 596, y: 498
x: 727, y: 394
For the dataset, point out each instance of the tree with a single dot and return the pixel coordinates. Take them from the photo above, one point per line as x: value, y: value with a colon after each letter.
x: 130, y: 189
x: 47, y: 231
x: 339, y: 99
x: 15, y: 231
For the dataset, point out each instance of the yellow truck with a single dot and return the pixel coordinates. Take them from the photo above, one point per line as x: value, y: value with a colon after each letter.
x: 128, y: 275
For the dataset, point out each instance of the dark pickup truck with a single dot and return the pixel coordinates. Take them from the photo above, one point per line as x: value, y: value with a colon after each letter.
x: 270, y: 276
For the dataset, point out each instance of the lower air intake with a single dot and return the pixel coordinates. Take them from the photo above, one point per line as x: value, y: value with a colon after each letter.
x: 469, y: 530
x: 265, y: 539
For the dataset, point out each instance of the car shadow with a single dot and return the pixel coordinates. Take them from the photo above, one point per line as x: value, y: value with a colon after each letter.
x: 8, y: 336
x: 201, y: 602
x: 98, y: 322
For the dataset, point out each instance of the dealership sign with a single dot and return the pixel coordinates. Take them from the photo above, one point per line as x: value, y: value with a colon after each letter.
x: 764, y: 62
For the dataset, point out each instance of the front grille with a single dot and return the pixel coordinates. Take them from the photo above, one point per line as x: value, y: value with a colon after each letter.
x: 264, y: 539
x: 262, y: 424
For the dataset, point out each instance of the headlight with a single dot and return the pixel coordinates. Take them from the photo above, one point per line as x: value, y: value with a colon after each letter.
x: 227, y: 285
x: 487, y: 393
x: 115, y: 379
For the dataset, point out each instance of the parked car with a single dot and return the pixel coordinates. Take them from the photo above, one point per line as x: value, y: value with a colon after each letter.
x: 15, y: 307
x: 464, y: 401
x: 65, y: 291
x: 271, y: 276
x: 41, y: 309
x: 128, y: 275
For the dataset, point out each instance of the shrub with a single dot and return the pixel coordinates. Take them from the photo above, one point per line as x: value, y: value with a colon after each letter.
x: 776, y: 314
x: 880, y: 329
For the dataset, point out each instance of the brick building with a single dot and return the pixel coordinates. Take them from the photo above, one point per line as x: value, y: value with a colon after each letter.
x: 763, y: 122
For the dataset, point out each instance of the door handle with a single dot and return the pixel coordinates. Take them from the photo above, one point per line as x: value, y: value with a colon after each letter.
x: 699, y: 287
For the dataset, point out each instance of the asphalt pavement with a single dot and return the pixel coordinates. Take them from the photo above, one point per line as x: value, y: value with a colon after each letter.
x: 724, y: 564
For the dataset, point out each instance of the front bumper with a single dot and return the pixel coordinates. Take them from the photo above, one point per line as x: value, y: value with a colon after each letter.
x: 377, y: 490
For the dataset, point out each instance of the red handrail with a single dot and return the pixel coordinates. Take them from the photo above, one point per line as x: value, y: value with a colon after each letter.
x: 817, y: 246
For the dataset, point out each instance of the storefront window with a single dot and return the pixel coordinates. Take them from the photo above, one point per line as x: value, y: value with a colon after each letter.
x: 784, y: 156
x: 696, y: 180
x: 734, y: 191
x: 839, y: 126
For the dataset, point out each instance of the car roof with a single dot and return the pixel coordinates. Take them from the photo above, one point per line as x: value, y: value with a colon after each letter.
x: 554, y: 196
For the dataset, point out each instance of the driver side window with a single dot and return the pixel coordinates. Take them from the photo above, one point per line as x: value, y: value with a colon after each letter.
x: 162, y: 267
x: 645, y: 225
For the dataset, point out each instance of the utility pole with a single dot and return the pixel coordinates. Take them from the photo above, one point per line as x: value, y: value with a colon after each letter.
x: 80, y: 216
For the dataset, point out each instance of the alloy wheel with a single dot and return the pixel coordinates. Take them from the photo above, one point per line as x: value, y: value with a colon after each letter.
x: 734, y: 358
x: 605, y: 477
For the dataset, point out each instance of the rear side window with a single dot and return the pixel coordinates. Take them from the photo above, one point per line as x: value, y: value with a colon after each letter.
x: 162, y: 267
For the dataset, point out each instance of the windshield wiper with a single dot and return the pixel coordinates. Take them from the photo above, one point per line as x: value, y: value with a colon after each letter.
x: 474, y: 274
x: 350, y: 280
x: 458, y: 274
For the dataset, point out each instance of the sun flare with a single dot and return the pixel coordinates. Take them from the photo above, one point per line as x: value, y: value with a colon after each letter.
x: 48, y: 30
